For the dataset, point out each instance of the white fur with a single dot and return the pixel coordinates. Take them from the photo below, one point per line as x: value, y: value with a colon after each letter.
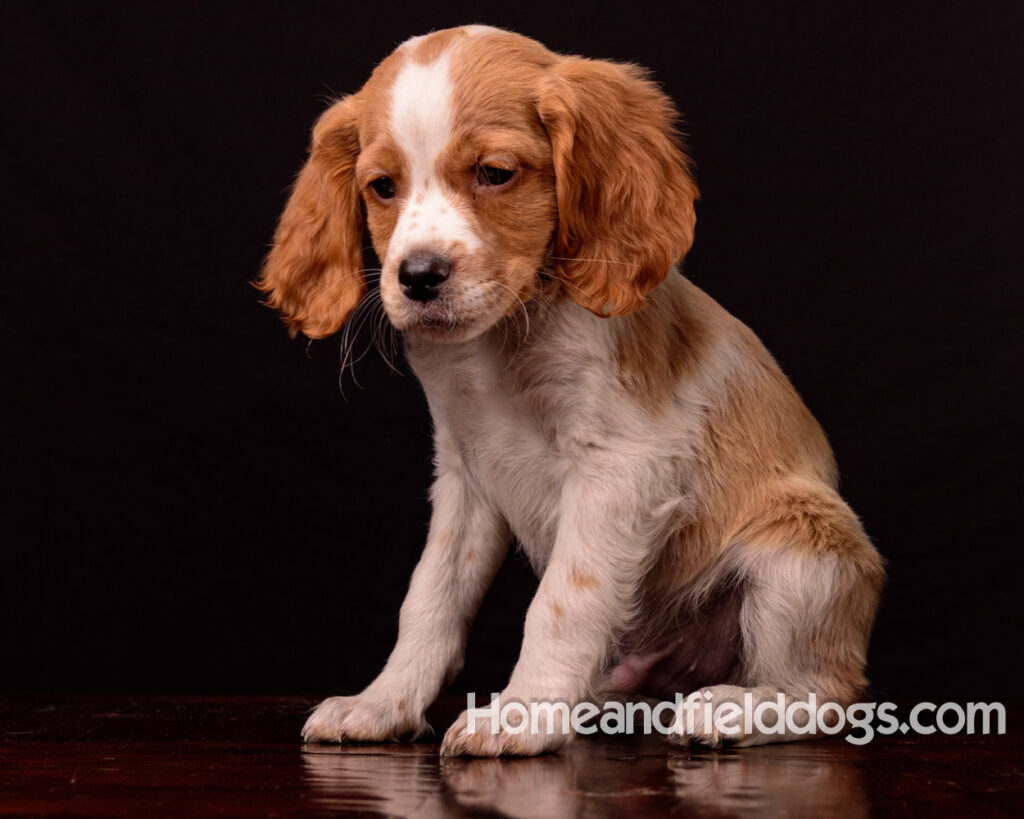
x: 421, y: 122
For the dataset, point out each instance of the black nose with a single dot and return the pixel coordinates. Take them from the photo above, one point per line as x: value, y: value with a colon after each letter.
x: 422, y: 275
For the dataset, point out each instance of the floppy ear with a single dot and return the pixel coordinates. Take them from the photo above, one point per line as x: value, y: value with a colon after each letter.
x: 313, y: 273
x: 622, y: 181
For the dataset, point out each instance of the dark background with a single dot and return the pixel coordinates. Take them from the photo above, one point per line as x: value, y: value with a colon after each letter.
x: 192, y: 505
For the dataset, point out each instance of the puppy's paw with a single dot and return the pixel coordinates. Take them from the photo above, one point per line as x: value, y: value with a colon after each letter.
x: 459, y: 740
x: 701, y: 723
x: 700, y: 735
x: 362, y: 719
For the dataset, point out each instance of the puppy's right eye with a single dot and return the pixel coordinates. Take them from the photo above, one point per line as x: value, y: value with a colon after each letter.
x: 384, y: 187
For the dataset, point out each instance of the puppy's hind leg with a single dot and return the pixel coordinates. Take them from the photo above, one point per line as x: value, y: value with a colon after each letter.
x: 812, y: 581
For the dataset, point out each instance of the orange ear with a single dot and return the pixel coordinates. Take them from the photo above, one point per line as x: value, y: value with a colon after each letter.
x: 622, y: 181
x: 313, y: 273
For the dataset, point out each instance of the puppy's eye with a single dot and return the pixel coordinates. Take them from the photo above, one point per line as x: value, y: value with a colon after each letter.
x: 493, y: 176
x: 384, y: 187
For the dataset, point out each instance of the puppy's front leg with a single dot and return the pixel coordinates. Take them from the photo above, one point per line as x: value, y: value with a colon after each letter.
x: 601, y: 551
x: 465, y: 547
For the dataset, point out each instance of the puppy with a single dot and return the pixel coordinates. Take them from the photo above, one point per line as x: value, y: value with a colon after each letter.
x: 670, y: 488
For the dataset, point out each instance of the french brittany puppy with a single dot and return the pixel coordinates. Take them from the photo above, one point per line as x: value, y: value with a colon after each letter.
x: 674, y: 494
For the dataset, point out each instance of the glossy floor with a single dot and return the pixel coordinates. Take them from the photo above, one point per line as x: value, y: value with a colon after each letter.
x: 240, y: 756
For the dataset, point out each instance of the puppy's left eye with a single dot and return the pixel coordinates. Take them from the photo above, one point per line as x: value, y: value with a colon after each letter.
x: 493, y: 176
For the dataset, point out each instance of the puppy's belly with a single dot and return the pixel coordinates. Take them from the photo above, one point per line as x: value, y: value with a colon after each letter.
x: 702, y: 649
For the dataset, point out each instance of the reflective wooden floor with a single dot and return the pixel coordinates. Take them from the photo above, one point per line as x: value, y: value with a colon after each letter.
x: 240, y: 756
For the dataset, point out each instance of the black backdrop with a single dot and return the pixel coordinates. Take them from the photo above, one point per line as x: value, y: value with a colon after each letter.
x: 192, y: 505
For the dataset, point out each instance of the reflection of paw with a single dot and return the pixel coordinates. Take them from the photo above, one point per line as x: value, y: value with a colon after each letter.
x: 362, y: 719
x: 495, y: 787
x: 460, y: 741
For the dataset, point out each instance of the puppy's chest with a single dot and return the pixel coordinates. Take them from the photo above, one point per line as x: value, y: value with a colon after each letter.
x: 515, y: 447
x: 516, y: 461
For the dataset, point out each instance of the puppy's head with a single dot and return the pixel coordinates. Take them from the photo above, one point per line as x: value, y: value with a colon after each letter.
x: 485, y: 167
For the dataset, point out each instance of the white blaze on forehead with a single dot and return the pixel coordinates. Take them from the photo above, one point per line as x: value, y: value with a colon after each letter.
x: 421, y: 118
x: 421, y: 122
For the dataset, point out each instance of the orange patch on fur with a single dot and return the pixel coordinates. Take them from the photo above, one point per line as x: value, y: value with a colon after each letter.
x: 312, y: 274
x: 655, y: 347
x: 610, y: 269
x: 583, y: 580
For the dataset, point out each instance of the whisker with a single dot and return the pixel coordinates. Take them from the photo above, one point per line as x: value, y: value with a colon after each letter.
x: 348, y: 339
x: 380, y: 325
x: 581, y: 259
x: 368, y: 320
x: 522, y: 306
x: 393, y: 337
x: 567, y: 283
x: 355, y: 360
x: 352, y: 327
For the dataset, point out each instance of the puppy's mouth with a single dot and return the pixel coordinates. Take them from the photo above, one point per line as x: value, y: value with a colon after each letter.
x: 437, y: 318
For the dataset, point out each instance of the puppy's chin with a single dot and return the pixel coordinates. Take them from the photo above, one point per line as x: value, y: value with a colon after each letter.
x: 439, y: 322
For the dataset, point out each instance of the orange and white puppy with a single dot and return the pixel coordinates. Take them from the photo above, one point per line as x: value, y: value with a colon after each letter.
x: 659, y: 470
